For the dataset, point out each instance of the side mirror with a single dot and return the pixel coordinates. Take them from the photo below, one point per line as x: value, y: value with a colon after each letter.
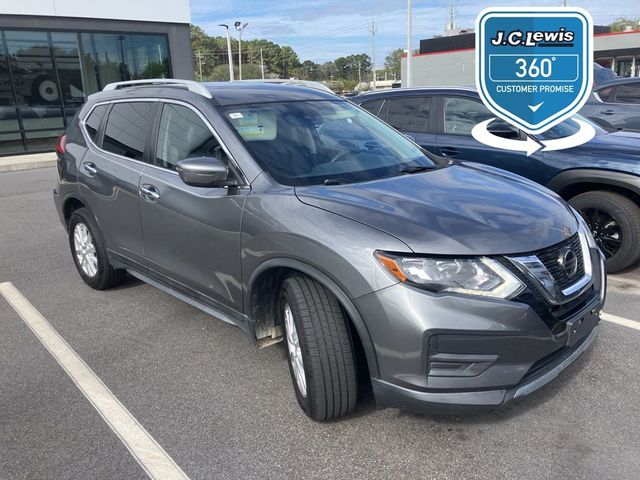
x: 202, y: 171
x: 409, y: 137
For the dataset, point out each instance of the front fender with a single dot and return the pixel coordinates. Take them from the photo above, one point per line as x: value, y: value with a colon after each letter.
x: 568, y: 178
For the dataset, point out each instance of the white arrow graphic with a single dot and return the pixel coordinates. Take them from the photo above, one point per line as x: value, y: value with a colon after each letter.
x: 481, y: 134
x: 586, y: 133
x: 534, y: 108
x: 583, y: 135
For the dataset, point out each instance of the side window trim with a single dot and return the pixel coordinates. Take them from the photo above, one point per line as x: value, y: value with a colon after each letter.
x: 154, y: 133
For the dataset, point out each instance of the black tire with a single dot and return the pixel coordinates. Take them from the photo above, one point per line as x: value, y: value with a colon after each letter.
x: 106, y: 276
x: 327, y: 349
x: 627, y: 216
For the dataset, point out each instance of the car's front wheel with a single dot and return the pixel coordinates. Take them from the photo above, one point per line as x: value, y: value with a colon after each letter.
x: 614, y: 221
x: 89, y: 252
x: 319, y: 349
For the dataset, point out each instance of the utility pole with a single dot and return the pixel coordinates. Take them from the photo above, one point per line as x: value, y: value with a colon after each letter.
x: 359, y: 73
x: 229, y: 51
x: 240, y: 27
x: 409, y: 47
x: 199, y: 63
x: 261, y: 63
x: 372, y: 28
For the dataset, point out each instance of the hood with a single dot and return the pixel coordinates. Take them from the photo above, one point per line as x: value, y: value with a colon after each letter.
x: 456, y: 210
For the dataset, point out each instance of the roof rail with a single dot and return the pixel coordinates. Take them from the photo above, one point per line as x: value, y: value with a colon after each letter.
x: 192, y: 86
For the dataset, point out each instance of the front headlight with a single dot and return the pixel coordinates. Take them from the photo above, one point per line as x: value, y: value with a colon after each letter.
x: 474, y: 276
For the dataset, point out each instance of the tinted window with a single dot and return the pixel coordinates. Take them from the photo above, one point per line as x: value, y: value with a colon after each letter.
x: 462, y: 114
x: 316, y: 142
x: 409, y: 114
x: 183, y: 134
x: 606, y: 94
x: 372, y: 106
x: 92, y: 124
x: 628, y: 93
x: 127, y: 129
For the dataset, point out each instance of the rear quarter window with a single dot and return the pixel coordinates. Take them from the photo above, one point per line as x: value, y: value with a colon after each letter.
x: 93, y: 122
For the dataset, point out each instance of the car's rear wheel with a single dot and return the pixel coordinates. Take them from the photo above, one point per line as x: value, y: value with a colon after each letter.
x: 614, y: 221
x: 319, y: 347
x: 89, y: 252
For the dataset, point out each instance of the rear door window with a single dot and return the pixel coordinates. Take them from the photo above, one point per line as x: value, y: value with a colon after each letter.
x: 127, y: 129
x: 462, y: 114
x: 410, y: 114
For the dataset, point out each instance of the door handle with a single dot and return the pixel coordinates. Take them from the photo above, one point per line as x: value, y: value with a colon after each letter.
x: 90, y: 168
x: 449, y: 151
x: 149, y: 192
x: 607, y: 112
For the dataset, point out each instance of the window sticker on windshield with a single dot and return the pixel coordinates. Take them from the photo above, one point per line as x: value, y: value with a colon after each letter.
x: 255, y: 125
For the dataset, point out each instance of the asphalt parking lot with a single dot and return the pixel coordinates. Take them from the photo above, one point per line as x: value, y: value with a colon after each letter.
x: 220, y: 408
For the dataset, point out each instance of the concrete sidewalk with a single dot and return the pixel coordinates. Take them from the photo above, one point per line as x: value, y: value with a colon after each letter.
x: 27, y: 162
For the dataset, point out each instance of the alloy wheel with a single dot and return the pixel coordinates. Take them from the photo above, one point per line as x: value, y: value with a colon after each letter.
x: 605, y: 230
x: 295, y: 354
x: 85, y: 250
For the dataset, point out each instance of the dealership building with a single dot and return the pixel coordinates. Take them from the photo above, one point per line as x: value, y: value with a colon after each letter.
x: 54, y: 53
x: 450, y: 60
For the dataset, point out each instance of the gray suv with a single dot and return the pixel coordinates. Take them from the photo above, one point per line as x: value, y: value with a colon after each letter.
x: 300, y: 217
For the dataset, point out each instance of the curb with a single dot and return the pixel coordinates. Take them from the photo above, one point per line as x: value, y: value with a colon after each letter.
x: 27, y: 162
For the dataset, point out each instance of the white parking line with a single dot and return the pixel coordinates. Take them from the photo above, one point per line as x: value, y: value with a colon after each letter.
x: 149, y: 454
x: 625, y: 322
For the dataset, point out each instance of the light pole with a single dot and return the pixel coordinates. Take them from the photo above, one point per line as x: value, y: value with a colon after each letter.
x: 409, y: 48
x: 229, y: 51
x: 240, y: 27
x: 372, y: 28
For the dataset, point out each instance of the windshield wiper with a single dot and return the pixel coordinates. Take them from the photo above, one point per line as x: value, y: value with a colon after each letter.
x: 335, y: 181
x: 416, y: 169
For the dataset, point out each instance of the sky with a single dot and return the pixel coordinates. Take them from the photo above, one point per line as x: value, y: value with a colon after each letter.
x: 322, y: 30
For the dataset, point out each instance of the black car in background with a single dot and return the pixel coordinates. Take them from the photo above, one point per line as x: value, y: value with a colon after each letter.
x: 600, y: 179
x: 615, y: 104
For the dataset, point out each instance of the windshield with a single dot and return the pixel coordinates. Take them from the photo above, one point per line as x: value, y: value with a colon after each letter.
x: 323, y: 142
x: 568, y: 127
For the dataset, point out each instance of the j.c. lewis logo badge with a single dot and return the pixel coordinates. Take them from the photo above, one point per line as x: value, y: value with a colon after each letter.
x: 534, y: 65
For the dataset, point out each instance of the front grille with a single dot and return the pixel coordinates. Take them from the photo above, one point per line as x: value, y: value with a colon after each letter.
x: 550, y: 258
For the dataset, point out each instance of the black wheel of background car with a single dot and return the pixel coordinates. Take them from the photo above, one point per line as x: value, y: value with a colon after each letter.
x: 319, y: 347
x: 45, y: 89
x: 89, y: 252
x: 614, y: 221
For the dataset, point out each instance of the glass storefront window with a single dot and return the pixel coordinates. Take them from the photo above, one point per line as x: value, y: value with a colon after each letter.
x: 45, y: 78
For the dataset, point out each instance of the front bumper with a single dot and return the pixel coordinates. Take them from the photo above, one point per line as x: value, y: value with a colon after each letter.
x: 451, y: 353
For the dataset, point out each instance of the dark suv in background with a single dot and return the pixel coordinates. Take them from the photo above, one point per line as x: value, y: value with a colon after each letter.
x: 600, y: 179
x: 297, y: 216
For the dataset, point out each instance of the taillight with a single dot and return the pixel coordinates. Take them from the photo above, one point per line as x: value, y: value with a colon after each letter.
x: 61, y: 145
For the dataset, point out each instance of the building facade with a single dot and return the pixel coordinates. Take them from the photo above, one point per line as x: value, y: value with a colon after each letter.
x: 450, y: 61
x: 54, y: 53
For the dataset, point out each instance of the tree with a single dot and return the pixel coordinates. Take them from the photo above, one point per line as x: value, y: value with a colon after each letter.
x: 622, y: 24
x: 392, y: 63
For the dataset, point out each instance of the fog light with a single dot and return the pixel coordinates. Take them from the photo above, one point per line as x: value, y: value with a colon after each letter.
x: 459, y: 364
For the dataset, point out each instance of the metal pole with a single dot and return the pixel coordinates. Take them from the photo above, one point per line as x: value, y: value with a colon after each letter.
x: 229, y: 51
x: 199, y: 63
x: 261, y: 63
x: 409, y: 47
x: 372, y: 29
x: 240, y: 28
x: 240, y: 54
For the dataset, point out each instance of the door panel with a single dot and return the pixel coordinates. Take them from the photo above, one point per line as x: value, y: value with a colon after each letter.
x: 191, y: 234
x: 460, y: 115
x: 109, y: 182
